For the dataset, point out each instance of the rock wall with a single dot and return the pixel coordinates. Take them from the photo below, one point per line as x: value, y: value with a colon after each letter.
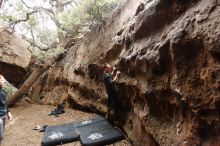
x: 15, y: 57
x: 169, y: 56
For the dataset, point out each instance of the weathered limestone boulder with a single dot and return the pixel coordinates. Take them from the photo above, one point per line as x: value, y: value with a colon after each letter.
x: 14, y: 57
x: 168, y: 53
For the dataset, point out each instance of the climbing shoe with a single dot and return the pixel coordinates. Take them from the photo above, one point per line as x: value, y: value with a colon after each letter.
x: 58, y: 110
x: 43, y: 128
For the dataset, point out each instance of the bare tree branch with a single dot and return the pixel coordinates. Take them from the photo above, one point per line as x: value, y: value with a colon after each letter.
x: 51, y: 13
x: 59, y: 3
x: 25, y: 19
x: 53, y: 17
x: 1, y: 2
x: 32, y: 35
x: 22, y: 20
x: 52, y: 4
x: 68, y: 2
x: 34, y: 44
x: 25, y: 4
x: 35, y: 10
x: 38, y: 8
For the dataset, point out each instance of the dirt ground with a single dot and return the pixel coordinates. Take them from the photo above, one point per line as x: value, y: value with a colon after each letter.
x: 18, y: 131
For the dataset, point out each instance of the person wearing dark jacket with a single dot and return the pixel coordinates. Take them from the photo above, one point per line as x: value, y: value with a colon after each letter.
x: 111, y: 75
x: 4, y: 111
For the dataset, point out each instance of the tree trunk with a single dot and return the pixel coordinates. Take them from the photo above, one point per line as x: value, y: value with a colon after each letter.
x: 32, y: 78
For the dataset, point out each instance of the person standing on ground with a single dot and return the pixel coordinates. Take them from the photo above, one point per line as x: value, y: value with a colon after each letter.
x: 4, y: 111
x: 111, y: 75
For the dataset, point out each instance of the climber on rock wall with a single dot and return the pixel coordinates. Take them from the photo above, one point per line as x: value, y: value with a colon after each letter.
x: 111, y: 75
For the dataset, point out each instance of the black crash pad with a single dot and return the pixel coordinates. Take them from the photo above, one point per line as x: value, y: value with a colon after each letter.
x: 95, y: 120
x: 99, y: 138
x: 98, y: 133
x: 93, y: 132
x: 98, y: 126
x: 55, y: 135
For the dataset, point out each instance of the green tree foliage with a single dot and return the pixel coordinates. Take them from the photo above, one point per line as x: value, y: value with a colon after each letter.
x: 43, y: 21
x: 87, y: 15
x: 9, y: 89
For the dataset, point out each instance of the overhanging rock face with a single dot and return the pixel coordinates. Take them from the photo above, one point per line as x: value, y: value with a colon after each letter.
x: 168, y: 53
x: 14, y: 56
